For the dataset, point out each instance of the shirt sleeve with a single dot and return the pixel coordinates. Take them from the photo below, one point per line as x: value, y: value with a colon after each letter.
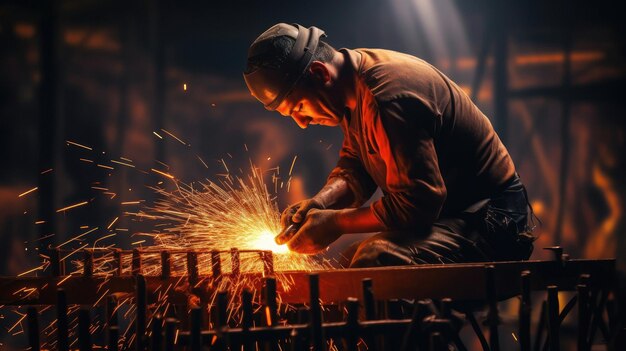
x: 415, y: 190
x: 351, y: 169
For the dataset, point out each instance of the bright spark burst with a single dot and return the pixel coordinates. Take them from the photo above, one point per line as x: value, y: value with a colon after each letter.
x: 238, y: 212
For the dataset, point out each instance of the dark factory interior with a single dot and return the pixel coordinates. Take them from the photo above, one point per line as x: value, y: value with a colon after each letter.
x: 143, y: 184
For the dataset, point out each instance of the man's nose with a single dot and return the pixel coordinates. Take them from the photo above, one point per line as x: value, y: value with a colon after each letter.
x: 302, y: 121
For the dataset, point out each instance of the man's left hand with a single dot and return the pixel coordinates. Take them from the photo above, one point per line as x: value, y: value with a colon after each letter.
x: 318, y: 230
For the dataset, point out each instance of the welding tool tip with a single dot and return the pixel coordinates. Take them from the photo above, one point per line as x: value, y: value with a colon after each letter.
x: 285, y: 234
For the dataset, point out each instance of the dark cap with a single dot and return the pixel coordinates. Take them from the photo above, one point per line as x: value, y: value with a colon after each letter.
x: 270, y: 85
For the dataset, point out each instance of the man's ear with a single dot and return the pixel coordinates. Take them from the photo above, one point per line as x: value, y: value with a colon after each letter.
x: 319, y: 72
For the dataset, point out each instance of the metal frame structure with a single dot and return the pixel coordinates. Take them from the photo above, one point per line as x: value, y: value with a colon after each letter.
x: 398, y: 312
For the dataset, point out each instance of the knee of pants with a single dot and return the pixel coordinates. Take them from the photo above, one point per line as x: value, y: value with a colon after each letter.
x: 377, y: 252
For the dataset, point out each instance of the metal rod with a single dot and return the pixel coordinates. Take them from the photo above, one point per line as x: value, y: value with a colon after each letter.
x: 166, y: 265
x: 170, y: 334
x: 113, y: 337
x: 33, y: 328
x: 478, y: 331
x: 222, y: 309
x: 247, y: 319
x: 437, y: 342
x: 196, y: 329
x: 296, y: 340
x: 270, y: 301
x: 136, y: 262
x: 192, y: 268
x: 553, y: 318
x: 119, y: 265
x: 317, y: 333
x: 156, y: 339
x: 525, y: 309
x: 236, y: 262
x: 111, y: 310
x: 84, y: 324
x: 55, y: 262
x: 493, y: 317
x: 268, y: 262
x: 352, y: 325
x: 368, y: 299
x: 62, y: 321
x: 216, y: 264
x: 596, y: 315
x: 583, y: 316
x: 413, y: 330
x: 540, y: 327
x: 87, y: 263
x: 140, y: 319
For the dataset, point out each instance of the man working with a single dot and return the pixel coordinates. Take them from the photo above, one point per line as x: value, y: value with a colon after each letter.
x: 451, y: 193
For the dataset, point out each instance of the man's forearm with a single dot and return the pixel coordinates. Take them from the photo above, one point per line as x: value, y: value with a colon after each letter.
x: 358, y: 220
x: 336, y: 194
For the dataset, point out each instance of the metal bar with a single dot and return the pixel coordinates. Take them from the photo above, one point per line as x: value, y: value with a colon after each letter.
x: 352, y: 325
x: 270, y: 302
x: 141, y: 306
x: 568, y: 308
x: 368, y: 299
x: 246, y: 320
x: 222, y: 309
x: 525, y: 309
x: 413, y: 330
x: 492, y: 300
x: 62, y: 321
x: 166, y: 265
x: 437, y: 342
x: 55, y: 262
x: 216, y: 264
x: 583, y: 317
x: 111, y: 311
x: 136, y: 262
x: 196, y: 329
x: 235, y: 262
x: 317, y: 336
x: 335, y: 285
x: 84, y: 324
x: 156, y: 338
x: 87, y: 263
x: 540, y: 326
x: 296, y: 340
x: 113, y: 337
x: 119, y: 265
x: 596, y: 315
x: 33, y: 328
x: 170, y: 334
x: 220, y: 341
x: 553, y: 318
x: 268, y: 262
x: 192, y: 268
x: 478, y: 331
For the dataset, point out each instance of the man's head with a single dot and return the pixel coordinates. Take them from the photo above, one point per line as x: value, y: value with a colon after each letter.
x: 292, y: 71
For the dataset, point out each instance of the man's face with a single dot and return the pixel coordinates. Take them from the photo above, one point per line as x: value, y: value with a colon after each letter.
x: 308, y: 106
x: 314, y: 100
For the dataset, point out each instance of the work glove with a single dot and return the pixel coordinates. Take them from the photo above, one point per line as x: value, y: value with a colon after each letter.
x: 292, y: 218
x: 318, y: 230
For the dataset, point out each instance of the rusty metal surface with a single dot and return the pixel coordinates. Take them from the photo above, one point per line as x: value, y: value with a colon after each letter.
x: 456, y: 281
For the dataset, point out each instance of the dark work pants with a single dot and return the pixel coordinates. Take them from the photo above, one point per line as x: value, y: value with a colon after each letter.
x: 495, y: 229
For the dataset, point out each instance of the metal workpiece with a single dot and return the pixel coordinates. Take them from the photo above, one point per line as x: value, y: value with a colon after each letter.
x: 318, y: 308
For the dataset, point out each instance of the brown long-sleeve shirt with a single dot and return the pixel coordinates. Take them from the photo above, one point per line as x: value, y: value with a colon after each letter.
x: 415, y: 134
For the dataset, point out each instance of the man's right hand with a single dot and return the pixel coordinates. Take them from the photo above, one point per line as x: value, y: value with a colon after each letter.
x: 294, y: 215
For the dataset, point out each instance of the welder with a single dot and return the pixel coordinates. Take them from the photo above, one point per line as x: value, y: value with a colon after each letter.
x: 451, y: 193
